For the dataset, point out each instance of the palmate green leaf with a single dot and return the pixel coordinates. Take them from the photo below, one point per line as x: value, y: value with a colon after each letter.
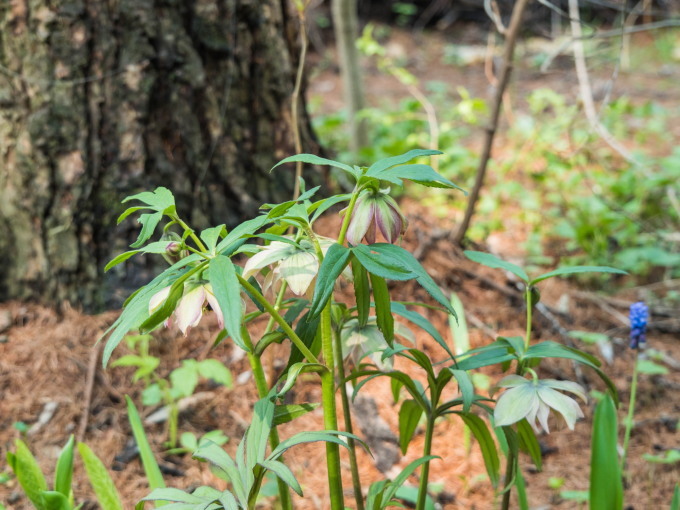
x: 489, y: 453
x: 101, y: 482
x: 384, y: 267
x: 409, y: 417
x: 424, y: 175
x: 210, y: 236
x: 149, y: 223
x: 362, y: 292
x: 420, y: 321
x: 332, y: 266
x: 184, y: 379
x: 606, y: 484
x: 284, y: 473
x: 226, y: 468
x: 488, y: 260
x: 383, y: 309
x: 328, y: 436
x: 151, y: 468
x: 316, y: 160
x: 384, y: 164
x: 28, y: 473
x: 216, y: 371
x: 398, y: 254
x: 161, y: 199
x: 64, y: 469
x: 563, y: 271
x: 288, y: 412
x: 227, y: 290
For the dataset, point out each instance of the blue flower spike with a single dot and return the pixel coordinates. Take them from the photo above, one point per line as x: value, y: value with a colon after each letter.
x: 639, y: 314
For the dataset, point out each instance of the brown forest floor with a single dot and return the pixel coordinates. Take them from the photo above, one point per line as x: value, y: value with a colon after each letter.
x: 45, y: 354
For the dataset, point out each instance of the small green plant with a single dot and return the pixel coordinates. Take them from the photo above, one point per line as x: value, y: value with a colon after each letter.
x: 33, y: 482
x: 181, y: 382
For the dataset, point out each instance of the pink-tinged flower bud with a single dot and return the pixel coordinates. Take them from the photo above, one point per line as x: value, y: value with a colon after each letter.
x: 173, y: 250
x: 373, y: 212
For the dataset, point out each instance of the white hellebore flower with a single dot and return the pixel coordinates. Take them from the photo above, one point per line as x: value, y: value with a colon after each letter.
x: 296, y: 264
x: 358, y: 342
x: 190, y: 307
x: 533, y: 398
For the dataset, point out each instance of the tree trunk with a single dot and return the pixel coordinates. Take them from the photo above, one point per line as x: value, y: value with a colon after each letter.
x: 100, y: 99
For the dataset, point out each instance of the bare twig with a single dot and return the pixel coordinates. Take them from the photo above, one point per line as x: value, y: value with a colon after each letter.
x: 506, y: 71
x: 295, y: 100
x: 89, y: 387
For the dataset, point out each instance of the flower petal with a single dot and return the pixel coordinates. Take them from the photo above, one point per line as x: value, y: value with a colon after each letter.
x: 362, y: 218
x: 212, y: 300
x: 190, y: 309
x: 158, y: 299
x: 566, y: 406
x: 515, y: 404
x: 299, y: 270
x: 271, y: 254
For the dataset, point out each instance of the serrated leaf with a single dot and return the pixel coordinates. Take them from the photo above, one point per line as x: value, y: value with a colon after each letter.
x: 128, y: 212
x: 316, y: 160
x: 101, y: 482
x: 161, y: 199
x: 488, y: 260
x: 210, y: 236
x: 119, y: 259
x: 227, y: 290
x: 149, y: 223
x: 563, y: 271
x: 409, y: 417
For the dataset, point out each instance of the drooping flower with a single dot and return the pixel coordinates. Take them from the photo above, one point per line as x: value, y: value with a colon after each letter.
x: 376, y: 211
x: 190, y: 307
x: 296, y: 263
x: 639, y: 314
x: 360, y: 341
x: 533, y: 398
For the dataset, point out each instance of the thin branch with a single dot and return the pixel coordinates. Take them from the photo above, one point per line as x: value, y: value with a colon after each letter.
x: 295, y: 101
x: 506, y: 71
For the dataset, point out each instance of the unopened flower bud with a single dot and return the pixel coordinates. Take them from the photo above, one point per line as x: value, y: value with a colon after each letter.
x: 173, y: 250
x: 373, y: 211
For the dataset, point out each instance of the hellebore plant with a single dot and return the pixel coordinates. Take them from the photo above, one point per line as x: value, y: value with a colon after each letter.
x: 281, y: 244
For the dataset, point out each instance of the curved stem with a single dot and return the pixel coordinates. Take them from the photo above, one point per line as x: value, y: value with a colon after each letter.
x: 280, y: 320
x: 425, y: 473
x: 348, y: 215
x: 192, y: 234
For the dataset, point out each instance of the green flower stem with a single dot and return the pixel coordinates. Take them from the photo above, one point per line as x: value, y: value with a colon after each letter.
x: 510, y: 467
x: 346, y: 413
x: 425, y: 472
x: 348, y: 215
x: 631, y: 413
x: 330, y: 418
x: 280, y: 320
x: 263, y: 391
x: 192, y: 234
x: 527, y: 296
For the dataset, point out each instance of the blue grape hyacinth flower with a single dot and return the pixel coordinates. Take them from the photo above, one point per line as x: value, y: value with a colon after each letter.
x: 639, y: 314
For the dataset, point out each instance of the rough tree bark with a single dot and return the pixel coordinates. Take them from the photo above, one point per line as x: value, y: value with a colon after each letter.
x: 102, y: 98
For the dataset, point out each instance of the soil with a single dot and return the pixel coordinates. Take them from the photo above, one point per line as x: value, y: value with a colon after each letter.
x: 45, y: 355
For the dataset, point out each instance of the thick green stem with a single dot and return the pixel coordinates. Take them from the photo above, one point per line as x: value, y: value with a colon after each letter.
x: 346, y: 413
x: 348, y: 215
x: 330, y: 418
x: 510, y: 467
x: 527, y: 296
x: 631, y: 414
x: 425, y: 473
x: 263, y: 391
x: 280, y: 320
